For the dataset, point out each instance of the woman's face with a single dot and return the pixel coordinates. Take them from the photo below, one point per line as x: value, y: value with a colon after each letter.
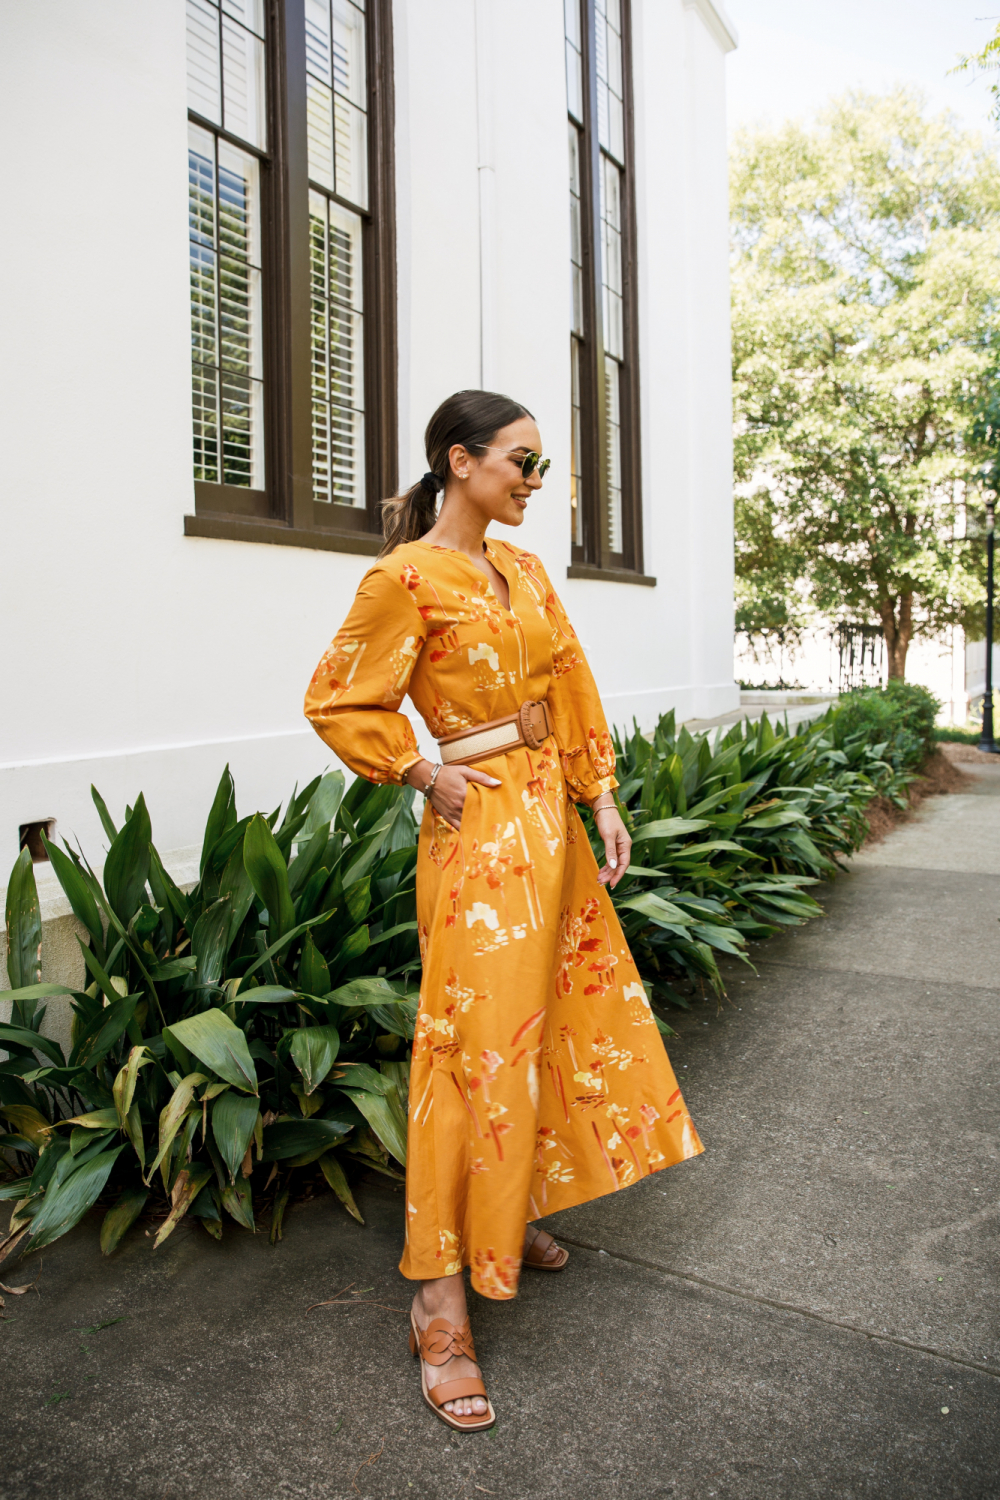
x: 493, y: 483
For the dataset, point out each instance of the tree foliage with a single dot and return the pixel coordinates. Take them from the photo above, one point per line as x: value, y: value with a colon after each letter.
x: 866, y: 289
x: 987, y: 60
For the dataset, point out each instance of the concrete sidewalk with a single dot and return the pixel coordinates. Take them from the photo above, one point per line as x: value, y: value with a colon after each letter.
x: 809, y: 1309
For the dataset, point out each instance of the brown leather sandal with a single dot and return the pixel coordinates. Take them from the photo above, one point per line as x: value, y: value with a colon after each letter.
x: 435, y: 1345
x: 538, y: 1256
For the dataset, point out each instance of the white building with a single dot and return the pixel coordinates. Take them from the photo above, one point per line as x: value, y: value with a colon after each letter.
x: 375, y: 198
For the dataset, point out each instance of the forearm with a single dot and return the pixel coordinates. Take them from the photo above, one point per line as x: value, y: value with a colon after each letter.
x: 419, y: 775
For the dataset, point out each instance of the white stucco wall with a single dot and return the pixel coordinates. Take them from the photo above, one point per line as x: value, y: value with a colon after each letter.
x: 138, y: 658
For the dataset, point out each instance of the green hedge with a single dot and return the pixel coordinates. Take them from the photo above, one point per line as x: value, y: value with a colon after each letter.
x: 252, y: 1032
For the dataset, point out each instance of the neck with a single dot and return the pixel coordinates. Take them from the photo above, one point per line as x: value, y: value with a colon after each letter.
x: 458, y: 525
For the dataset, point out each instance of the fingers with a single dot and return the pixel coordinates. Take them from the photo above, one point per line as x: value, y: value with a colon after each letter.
x: 617, y: 848
x: 471, y: 774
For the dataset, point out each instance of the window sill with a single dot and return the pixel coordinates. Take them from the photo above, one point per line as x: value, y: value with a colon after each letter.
x: 609, y: 575
x: 239, y: 529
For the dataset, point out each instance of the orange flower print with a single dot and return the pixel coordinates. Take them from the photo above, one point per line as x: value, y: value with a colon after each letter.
x: 492, y: 1063
x: 449, y: 1252
x: 496, y: 1275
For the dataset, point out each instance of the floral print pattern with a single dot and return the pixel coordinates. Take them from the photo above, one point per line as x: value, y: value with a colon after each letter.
x: 538, y: 1076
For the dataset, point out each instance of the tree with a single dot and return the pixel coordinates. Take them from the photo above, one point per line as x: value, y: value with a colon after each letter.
x: 985, y: 61
x: 866, y: 313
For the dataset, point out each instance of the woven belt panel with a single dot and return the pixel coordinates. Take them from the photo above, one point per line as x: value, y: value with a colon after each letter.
x: 501, y: 737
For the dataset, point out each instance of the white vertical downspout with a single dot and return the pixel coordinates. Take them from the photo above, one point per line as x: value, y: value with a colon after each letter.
x: 487, y: 194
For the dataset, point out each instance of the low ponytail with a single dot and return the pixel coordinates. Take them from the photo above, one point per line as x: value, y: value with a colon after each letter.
x: 469, y: 418
x: 405, y: 518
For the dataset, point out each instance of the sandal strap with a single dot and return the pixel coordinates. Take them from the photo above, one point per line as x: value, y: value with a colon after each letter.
x: 441, y: 1341
x: 455, y: 1390
x: 539, y: 1247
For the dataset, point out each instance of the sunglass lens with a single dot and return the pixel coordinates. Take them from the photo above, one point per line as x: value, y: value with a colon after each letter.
x: 528, y: 464
x: 543, y: 467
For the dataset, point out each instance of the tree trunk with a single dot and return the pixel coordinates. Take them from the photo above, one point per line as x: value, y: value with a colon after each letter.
x: 898, y: 633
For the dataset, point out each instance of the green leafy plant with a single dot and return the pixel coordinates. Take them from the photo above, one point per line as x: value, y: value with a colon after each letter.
x: 231, y: 1036
x: 897, y: 719
x: 729, y: 835
x: 255, y: 1027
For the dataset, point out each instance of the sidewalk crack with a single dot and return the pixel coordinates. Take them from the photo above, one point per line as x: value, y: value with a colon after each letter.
x: 792, y: 1307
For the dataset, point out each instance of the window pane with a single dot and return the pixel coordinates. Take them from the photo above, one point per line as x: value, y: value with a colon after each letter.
x: 610, y: 87
x: 319, y: 128
x: 205, y: 421
x: 613, y: 75
x: 349, y: 52
x: 611, y: 246
x: 576, y: 460
x: 243, y: 83
x: 603, y: 116
x: 574, y: 82
x: 615, y: 128
x: 204, y: 89
x: 351, y: 152
x: 242, y: 426
x: 575, y: 233
x: 347, y: 449
x: 250, y: 12
x: 224, y: 217
x: 337, y: 353
x: 601, y: 41
x: 572, y: 23
x: 239, y: 199
x: 613, y: 409
x: 336, y: 89
x: 318, y: 47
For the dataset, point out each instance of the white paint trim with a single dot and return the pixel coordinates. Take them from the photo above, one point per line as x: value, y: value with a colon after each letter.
x: 487, y: 195
x: 718, y: 23
x: 229, y: 739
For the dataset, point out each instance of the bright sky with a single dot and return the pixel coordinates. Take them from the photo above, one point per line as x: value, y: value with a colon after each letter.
x: 794, y: 54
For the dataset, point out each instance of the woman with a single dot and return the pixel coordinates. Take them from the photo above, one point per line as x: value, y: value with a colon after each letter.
x: 538, y: 1078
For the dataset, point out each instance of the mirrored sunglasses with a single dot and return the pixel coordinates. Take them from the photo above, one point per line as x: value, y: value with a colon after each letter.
x: 528, y: 464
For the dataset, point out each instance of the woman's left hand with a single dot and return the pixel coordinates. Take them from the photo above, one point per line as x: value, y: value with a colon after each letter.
x: 617, y: 845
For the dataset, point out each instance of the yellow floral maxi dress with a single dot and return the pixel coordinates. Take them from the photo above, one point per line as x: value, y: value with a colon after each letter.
x: 538, y: 1079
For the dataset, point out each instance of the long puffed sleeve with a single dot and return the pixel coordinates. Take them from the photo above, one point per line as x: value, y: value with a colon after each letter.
x: 585, y: 748
x: 355, y: 693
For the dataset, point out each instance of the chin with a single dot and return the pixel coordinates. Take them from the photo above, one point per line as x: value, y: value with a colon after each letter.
x: 514, y: 517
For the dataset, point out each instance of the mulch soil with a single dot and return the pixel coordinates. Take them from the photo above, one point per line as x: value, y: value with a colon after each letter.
x: 939, y: 775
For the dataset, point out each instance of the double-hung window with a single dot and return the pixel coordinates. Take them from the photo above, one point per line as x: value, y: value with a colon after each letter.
x: 605, y: 464
x: 292, y: 269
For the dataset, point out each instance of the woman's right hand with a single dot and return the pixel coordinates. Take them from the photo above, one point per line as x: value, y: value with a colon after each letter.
x: 450, y: 789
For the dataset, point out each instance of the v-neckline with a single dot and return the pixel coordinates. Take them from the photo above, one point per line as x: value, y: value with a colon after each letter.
x: 488, y: 551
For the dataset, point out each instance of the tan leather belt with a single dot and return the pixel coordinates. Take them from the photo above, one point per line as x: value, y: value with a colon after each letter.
x: 530, y: 727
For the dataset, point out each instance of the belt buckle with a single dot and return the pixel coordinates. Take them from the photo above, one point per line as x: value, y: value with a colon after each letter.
x: 534, y: 721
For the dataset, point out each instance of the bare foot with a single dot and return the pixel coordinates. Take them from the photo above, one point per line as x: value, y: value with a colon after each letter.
x: 552, y: 1252
x: 445, y: 1298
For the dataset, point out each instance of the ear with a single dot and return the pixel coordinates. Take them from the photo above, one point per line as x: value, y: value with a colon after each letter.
x: 460, y: 460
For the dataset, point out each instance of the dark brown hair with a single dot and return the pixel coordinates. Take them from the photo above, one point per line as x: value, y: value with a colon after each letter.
x: 472, y: 418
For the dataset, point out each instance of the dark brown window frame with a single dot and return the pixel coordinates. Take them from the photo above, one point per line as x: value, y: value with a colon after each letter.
x: 595, y: 559
x: 285, y: 513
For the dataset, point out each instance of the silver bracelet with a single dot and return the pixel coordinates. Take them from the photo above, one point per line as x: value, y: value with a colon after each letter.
x: 430, y: 785
x: 607, y: 806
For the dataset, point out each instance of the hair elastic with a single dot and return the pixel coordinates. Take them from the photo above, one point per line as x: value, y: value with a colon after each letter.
x: 431, y: 483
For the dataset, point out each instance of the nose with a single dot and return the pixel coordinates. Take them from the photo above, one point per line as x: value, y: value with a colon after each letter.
x: 534, y: 480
